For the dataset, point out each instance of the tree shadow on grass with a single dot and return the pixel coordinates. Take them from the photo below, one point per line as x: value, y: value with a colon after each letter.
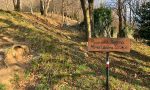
x: 35, y: 38
x: 137, y: 55
x: 132, y: 61
x: 20, y: 34
x: 134, y: 74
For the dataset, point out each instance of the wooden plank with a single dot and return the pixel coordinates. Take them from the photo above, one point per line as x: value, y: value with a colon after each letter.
x: 109, y: 44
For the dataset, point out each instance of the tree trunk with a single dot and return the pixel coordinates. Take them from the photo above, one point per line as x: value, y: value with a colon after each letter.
x: 42, y: 7
x: 121, y: 32
x: 83, y: 6
x: 31, y: 7
x: 53, y: 8
x: 46, y: 4
x: 86, y: 14
x: 7, y: 2
x: 130, y: 13
x: 14, y: 3
x: 125, y: 16
x: 17, y: 5
x: 89, y: 34
x: 63, y: 18
x: 91, y: 11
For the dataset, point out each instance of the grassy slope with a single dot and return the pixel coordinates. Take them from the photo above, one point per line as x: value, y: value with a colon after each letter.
x: 62, y: 62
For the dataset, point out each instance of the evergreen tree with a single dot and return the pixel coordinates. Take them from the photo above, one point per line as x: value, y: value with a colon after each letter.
x: 143, y: 20
x: 102, y: 21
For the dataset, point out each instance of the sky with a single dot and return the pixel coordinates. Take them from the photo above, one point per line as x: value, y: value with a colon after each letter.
x: 97, y: 2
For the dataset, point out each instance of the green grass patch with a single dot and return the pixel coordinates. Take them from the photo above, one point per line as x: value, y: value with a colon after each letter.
x: 2, y: 87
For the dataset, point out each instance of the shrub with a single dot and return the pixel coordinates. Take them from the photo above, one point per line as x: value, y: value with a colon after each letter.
x: 102, y: 20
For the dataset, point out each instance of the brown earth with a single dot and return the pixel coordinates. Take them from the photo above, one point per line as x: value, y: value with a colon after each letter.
x: 13, y: 60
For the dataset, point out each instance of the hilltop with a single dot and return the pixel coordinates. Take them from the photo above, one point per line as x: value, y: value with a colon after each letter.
x: 60, y: 59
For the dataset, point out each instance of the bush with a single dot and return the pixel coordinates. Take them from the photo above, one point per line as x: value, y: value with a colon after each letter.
x: 102, y: 20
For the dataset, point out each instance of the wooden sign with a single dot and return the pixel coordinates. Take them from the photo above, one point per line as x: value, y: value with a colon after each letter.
x: 109, y: 44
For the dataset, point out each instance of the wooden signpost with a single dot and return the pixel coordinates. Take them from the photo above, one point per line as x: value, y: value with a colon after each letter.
x: 109, y: 45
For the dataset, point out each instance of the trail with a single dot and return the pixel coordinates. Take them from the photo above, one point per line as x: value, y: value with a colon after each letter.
x: 7, y: 73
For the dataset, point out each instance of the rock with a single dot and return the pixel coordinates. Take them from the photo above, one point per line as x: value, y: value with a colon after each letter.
x: 83, y: 43
x: 16, y: 55
x: 81, y: 49
x: 68, y: 37
x: 86, y: 55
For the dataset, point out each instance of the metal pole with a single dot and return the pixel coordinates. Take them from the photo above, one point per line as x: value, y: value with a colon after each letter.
x: 107, y: 70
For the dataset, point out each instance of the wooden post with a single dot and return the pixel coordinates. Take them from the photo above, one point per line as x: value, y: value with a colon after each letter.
x: 107, y: 70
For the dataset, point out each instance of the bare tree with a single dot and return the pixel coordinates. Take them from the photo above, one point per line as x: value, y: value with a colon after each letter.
x: 7, y: 2
x: 53, y: 8
x: 121, y: 30
x: 83, y: 6
x: 134, y: 6
x: 124, y: 14
x: 17, y: 5
x: 31, y: 7
x: 44, y: 7
x: 47, y: 2
x: 86, y: 18
x: 63, y: 6
x: 91, y: 11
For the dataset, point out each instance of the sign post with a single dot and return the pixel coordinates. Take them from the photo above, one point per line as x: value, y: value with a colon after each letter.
x: 107, y: 70
x: 109, y: 45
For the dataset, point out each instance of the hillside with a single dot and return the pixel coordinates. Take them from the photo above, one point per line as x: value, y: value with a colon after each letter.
x: 60, y: 60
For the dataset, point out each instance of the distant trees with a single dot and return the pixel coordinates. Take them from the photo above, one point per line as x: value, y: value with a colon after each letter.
x: 72, y: 8
x: 126, y: 11
x: 17, y: 5
x: 44, y: 7
x: 143, y: 20
x: 126, y: 14
x: 31, y: 6
x: 63, y: 11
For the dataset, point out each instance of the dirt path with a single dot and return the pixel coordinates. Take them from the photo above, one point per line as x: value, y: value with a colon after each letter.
x: 7, y: 74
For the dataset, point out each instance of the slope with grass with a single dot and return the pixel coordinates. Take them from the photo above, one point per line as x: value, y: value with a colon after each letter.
x: 61, y: 60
